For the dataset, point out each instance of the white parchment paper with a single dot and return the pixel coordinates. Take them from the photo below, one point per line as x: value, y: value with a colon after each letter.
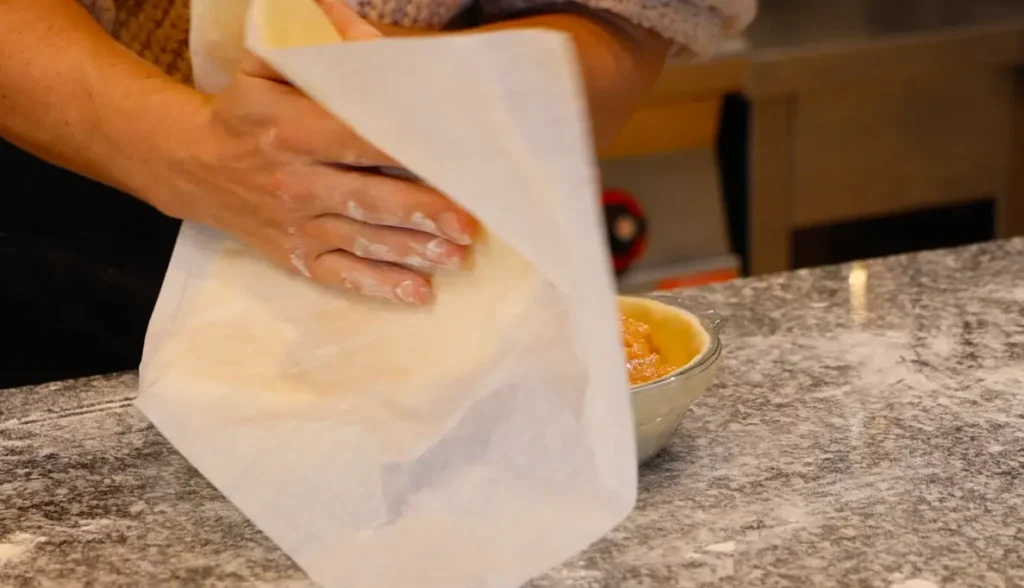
x: 473, y: 444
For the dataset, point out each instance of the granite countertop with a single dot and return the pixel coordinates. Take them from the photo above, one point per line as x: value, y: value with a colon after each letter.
x: 866, y: 429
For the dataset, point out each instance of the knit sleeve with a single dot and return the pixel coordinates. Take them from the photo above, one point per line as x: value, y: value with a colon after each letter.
x: 695, y: 26
x: 103, y: 11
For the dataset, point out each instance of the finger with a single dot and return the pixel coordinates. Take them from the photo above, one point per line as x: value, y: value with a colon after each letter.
x: 304, y: 129
x: 374, y: 279
x: 381, y: 243
x: 348, y: 23
x: 381, y: 200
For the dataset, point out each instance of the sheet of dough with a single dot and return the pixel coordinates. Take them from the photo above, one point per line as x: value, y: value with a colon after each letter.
x: 474, y: 443
x: 312, y: 346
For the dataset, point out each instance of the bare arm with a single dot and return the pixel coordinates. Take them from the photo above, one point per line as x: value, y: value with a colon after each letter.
x: 71, y: 95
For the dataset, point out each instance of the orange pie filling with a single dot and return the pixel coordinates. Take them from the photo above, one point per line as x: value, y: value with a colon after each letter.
x: 643, y: 361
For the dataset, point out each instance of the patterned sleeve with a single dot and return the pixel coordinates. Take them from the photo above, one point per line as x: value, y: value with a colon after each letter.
x: 103, y: 11
x: 695, y: 26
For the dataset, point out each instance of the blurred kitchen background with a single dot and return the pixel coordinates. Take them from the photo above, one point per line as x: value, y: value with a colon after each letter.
x: 833, y: 130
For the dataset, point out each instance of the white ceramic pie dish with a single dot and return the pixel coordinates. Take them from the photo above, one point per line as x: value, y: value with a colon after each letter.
x: 682, y: 336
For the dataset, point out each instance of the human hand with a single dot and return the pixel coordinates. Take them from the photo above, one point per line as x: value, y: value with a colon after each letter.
x: 268, y: 165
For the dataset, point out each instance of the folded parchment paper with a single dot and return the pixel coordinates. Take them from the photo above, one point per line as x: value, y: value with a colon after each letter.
x: 472, y: 444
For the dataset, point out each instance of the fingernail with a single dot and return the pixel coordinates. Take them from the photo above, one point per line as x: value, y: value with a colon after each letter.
x: 422, y: 222
x: 448, y: 222
x: 443, y: 254
x: 413, y: 293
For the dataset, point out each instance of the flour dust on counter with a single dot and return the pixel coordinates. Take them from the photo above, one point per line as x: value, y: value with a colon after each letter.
x: 865, y: 429
x: 90, y: 494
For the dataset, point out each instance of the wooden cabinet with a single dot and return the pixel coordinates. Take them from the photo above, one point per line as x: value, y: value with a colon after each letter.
x: 870, y: 150
x: 838, y: 132
x: 881, y: 127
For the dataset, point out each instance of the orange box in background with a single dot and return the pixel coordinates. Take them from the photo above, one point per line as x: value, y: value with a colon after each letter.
x: 698, y: 279
x: 682, y: 275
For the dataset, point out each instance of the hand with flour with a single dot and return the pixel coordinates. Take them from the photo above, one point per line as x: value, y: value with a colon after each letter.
x: 270, y: 166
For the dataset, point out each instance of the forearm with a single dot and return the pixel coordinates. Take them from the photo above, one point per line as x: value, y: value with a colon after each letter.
x: 71, y: 95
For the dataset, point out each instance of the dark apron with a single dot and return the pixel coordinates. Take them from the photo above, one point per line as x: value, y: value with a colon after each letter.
x: 80, y: 268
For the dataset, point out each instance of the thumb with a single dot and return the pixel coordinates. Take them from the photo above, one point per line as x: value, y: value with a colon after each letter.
x: 348, y: 23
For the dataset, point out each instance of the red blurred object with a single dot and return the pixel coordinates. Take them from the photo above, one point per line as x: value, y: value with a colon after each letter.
x: 698, y: 279
x: 627, y: 227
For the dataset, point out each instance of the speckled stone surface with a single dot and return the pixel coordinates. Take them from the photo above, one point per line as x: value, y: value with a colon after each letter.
x: 866, y: 429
